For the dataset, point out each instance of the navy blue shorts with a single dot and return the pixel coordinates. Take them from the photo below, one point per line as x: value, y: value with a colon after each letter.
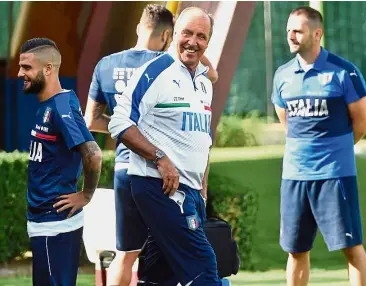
x: 56, y: 258
x: 131, y: 232
x: 176, y: 228
x: 332, y: 205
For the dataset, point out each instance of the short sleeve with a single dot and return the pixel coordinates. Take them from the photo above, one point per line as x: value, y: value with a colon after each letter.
x: 276, y: 94
x: 70, y: 123
x: 95, y: 90
x: 354, y: 85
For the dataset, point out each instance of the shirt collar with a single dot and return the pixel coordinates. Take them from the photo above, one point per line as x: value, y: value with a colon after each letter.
x: 172, y: 51
x: 319, y: 63
x: 139, y: 50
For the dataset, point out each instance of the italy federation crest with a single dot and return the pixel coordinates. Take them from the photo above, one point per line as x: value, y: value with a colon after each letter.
x: 325, y: 78
x: 47, y: 115
x: 192, y: 222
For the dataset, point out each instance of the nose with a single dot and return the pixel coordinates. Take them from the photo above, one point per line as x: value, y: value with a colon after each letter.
x: 193, y: 40
x: 20, y: 73
x: 291, y: 35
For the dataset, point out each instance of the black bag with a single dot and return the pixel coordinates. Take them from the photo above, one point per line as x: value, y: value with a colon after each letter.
x: 219, y: 235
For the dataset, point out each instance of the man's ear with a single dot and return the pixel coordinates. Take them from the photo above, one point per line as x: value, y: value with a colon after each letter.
x: 165, y: 35
x: 318, y: 34
x: 137, y: 29
x: 48, y: 69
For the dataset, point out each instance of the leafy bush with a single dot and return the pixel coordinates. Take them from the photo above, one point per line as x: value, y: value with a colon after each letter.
x: 13, y: 188
x: 238, y: 206
x: 230, y: 133
x: 252, y: 130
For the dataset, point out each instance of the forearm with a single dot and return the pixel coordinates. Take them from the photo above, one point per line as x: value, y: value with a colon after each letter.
x: 92, y: 164
x: 212, y: 73
x: 95, y: 118
x: 284, y: 124
x: 205, y: 176
x: 205, y: 180
x: 99, y: 124
x: 358, y: 132
x: 137, y: 143
x: 281, y: 114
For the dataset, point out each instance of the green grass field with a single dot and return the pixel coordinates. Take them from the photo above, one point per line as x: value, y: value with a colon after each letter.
x: 318, y: 278
x: 259, y: 168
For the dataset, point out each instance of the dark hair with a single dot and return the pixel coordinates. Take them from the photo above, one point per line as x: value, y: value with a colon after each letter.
x: 37, y: 43
x: 157, y: 17
x: 310, y: 13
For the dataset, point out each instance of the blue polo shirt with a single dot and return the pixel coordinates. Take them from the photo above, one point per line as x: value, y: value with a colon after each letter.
x: 110, y: 78
x: 319, y: 142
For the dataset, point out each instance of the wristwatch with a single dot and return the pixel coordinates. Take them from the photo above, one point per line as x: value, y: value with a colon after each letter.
x: 158, y: 155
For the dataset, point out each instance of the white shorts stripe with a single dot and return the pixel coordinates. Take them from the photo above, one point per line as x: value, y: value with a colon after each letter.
x: 48, y: 257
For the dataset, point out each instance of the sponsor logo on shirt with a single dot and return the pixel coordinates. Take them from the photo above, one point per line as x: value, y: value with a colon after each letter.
x: 353, y: 73
x: 122, y: 76
x: 178, y: 98
x: 148, y: 78
x: 177, y: 82
x: 42, y: 128
x: 66, y: 115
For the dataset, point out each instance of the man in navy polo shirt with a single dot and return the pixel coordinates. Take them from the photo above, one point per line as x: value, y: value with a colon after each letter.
x: 320, y: 99
x: 60, y: 147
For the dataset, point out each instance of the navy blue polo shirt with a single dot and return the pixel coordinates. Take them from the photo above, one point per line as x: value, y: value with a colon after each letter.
x: 54, y: 165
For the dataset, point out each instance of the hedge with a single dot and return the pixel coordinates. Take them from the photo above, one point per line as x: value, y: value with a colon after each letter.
x: 237, y: 205
x: 226, y: 200
x: 13, y: 188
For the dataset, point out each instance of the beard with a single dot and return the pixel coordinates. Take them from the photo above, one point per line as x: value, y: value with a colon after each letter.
x: 303, y: 47
x: 36, y: 85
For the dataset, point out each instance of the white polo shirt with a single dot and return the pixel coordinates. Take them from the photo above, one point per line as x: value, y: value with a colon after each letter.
x: 173, y: 111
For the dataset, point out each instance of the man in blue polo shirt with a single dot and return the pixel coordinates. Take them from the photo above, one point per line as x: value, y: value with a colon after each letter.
x: 110, y: 78
x: 61, y: 147
x: 320, y: 99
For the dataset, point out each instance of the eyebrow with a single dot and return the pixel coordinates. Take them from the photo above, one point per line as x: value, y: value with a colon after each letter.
x: 187, y: 31
x: 202, y: 34
x: 191, y: 32
x: 295, y: 30
x: 25, y: 66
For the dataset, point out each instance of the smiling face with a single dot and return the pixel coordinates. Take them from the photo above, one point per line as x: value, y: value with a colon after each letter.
x: 192, y: 36
x: 31, y: 71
